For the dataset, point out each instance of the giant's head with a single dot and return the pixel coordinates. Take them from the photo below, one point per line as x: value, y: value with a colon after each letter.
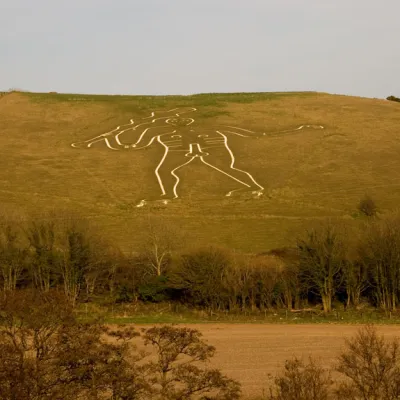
x: 176, y: 121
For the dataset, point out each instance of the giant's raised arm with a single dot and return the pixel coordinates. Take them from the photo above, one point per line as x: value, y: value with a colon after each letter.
x: 248, y: 133
x: 238, y: 131
x: 294, y: 130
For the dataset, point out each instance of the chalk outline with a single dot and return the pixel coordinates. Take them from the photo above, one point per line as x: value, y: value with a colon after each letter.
x: 104, y: 136
x: 213, y: 142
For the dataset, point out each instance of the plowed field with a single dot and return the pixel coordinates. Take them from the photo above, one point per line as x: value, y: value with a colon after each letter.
x: 251, y: 353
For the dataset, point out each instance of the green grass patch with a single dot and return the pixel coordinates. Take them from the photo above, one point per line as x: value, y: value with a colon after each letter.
x: 165, y: 314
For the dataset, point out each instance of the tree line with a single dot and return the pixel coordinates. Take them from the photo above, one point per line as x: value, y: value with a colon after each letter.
x: 330, y: 264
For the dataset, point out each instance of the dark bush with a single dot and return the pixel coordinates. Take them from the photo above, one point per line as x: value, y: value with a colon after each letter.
x: 155, y: 290
x: 367, y: 206
x: 393, y: 98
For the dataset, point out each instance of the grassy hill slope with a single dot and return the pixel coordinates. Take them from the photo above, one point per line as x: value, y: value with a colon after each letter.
x: 307, y: 174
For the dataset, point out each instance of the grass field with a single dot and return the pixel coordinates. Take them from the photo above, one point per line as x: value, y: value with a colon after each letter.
x: 167, y: 313
x: 308, y: 175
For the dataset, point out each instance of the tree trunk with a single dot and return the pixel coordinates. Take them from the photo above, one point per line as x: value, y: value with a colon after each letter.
x: 327, y: 303
x: 243, y: 302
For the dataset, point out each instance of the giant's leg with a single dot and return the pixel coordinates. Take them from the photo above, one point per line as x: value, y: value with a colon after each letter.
x: 221, y: 158
x: 167, y: 175
x: 167, y: 172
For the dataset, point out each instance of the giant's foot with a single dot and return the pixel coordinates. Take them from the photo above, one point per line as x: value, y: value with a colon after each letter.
x: 144, y: 203
x: 255, y: 194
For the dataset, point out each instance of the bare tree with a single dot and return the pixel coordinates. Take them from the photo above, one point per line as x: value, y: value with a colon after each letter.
x: 46, y: 354
x: 13, y: 254
x: 238, y: 281
x: 322, y: 257
x: 380, y: 253
x: 161, y: 240
x: 301, y: 380
x: 104, y: 260
x: 178, y: 374
x: 78, y: 257
x: 28, y: 327
x: 290, y: 281
x: 268, y: 277
x: 290, y: 277
x: 42, y: 235
x: 371, y: 366
x: 233, y: 282
x: 355, y: 274
x: 200, y: 275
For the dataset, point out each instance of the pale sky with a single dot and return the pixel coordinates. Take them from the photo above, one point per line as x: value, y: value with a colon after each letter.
x: 197, y: 46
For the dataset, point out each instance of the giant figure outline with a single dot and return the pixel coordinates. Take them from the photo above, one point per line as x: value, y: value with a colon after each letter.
x: 178, y: 137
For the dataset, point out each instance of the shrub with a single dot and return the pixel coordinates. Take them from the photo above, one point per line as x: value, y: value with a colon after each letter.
x: 301, y: 380
x: 393, y: 98
x: 199, y: 277
x: 178, y: 373
x: 154, y: 290
x: 367, y: 206
x: 371, y: 366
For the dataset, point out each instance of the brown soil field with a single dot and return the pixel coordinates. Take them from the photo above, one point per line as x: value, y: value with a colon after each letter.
x: 253, y: 353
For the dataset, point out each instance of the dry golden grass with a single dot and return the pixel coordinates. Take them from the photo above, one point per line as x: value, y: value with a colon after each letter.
x: 307, y: 175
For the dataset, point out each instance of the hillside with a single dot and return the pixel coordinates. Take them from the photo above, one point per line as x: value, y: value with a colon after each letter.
x: 307, y: 173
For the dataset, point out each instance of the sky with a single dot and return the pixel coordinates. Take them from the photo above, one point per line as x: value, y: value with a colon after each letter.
x: 199, y: 46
